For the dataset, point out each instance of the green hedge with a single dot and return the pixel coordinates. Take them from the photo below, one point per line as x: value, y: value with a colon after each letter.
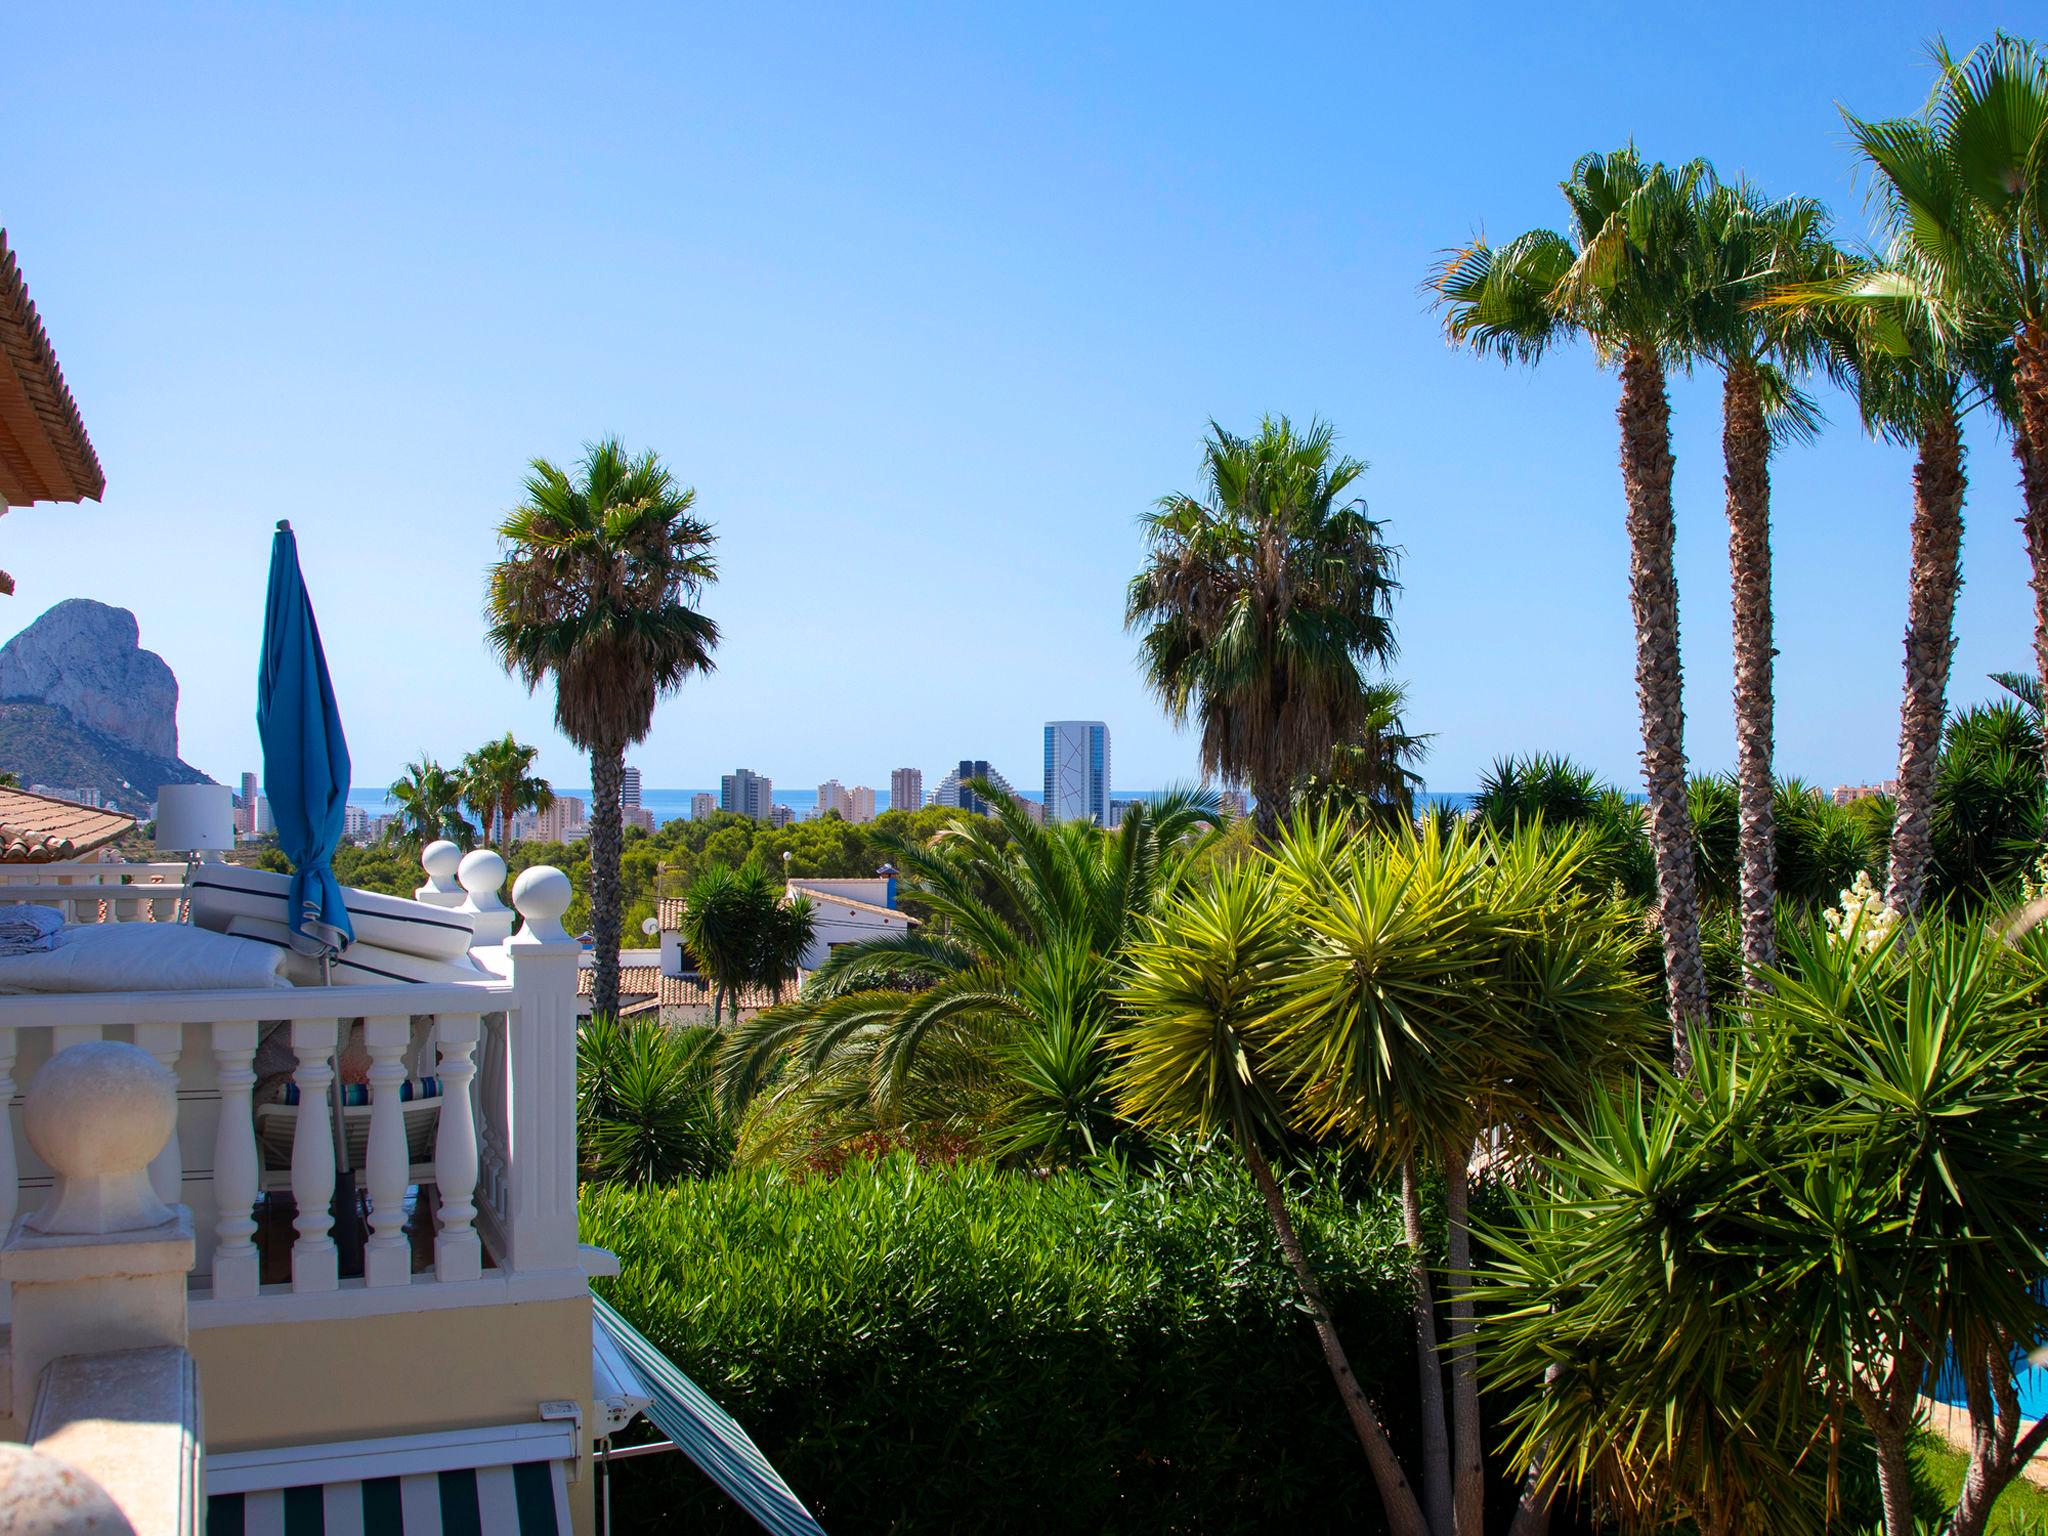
x: 926, y: 1349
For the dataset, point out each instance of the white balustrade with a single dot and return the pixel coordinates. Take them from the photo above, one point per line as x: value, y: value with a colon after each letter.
x: 313, y: 1255
x: 236, y: 1266
x: 387, y: 1260
x: 481, y: 874
x: 502, y: 1187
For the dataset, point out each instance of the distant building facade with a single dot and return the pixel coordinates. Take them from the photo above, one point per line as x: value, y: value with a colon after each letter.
x: 245, y: 808
x: 954, y: 790
x: 566, y: 821
x: 862, y: 799
x: 355, y: 823
x: 702, y: 804
x: 832, y: 796
x: 747, y: 794
x: 629, y: 790
x: 1077, y: 771
x: 1848, y: 794
x: 906, y: 789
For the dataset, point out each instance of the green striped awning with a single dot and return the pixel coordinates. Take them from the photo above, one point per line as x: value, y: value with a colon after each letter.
x: 528, y: 1499
x: 505, y: 1478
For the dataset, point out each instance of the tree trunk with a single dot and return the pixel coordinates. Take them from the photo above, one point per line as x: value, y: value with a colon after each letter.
x: 1269, y: 809
x: 1404, y: 1515
x: 606, y: 769
x: 2030, y: 447
x: 1429, y: 1364
x: 1539, y: 1488
x: 1468, y: 1509
x: 1998, y: 1451
x: 1645, y: 417
x: 1932, y: 579
x: 1746, y: 453
x: 1888, y: 1411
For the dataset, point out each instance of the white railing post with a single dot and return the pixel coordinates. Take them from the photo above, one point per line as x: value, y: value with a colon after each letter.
x: 481, y: 873
x: 458, y: 1253
x: 313, y: 1255
x: 165, y: 1043
x: 387, y: 1259
x: 541, y: 1039
x: 235, y: 1261
x: 440, y: 859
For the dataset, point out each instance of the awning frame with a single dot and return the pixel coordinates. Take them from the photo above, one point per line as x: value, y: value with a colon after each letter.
x: 351, y: 1461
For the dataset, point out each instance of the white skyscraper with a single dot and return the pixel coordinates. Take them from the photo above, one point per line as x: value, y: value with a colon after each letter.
x: 832, y: 796
x: 906, y: 789
x: 863, y: 800
x: 1077, y: 771
x: 702, y: 804
x: 629, y: 789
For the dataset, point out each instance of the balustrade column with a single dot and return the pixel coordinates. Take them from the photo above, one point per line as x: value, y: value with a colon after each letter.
x: 314, y: 1261
x: 236, y: 1270
x: 458, y: 1253
x: 165, y: 1043
x: 387, y: 1258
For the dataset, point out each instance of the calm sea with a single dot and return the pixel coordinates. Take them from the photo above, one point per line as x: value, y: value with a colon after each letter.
x: 674, y: 804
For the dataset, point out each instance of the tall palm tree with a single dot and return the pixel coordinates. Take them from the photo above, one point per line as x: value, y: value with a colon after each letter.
x: 593, y: 589
x: 1625, y: 278
x: 1966, y: 189
x: 1747, y: 247
x: 988, y: 1020
x: 429, y: 801
x: 1261, y: 605
x: 498, y: 783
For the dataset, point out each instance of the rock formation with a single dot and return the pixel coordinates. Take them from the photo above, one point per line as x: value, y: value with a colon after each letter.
x: 86, y: 658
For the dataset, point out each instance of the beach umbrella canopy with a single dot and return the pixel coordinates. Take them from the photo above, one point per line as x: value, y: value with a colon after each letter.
x: 305, y: 756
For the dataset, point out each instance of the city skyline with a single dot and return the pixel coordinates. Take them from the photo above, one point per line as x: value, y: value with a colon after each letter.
x: 976, y: 308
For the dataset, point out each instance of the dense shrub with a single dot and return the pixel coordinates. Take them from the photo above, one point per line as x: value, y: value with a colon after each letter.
x: 952, y: 1349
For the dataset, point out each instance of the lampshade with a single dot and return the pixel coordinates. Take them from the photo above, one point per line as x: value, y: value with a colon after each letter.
x: 192, y: 818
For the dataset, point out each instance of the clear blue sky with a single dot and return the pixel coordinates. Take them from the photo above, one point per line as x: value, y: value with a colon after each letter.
x: 928, y: 304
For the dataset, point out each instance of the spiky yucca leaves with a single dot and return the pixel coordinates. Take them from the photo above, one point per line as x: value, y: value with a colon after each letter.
x: 1713, y: 1276
x: 1261, y: 605
x: 645, y: 1112
x: 984, y: 1023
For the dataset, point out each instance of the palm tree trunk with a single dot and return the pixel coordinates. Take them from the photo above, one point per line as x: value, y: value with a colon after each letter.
x: 1539, y: 1488
x: 2030, y: 447
x: 1933, y: 576
x: 1469, y: 1507
x: 607, y: 766
x: 1268, y: 810
x: 1404, y: 1515
x: 1645, y: 417
x: 1746, y: 452
x: 1429, y: 1364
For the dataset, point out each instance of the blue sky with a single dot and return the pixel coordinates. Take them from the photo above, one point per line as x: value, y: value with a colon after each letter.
x: 929, y: 304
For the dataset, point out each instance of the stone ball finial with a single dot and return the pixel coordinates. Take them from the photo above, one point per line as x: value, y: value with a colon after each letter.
x: 482, y: 872
x: 542, y: 894
x: 441, y: 859
x: 41, y: 1494
x: 97, y: 1113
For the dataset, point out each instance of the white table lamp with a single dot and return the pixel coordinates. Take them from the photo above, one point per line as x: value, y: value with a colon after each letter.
x: 198, y: 819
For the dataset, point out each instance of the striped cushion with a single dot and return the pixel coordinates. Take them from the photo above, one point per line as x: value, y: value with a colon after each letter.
x: 529, y: 1499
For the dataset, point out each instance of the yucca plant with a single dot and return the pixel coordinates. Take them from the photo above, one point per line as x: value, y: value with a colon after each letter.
x: 645, y: 1112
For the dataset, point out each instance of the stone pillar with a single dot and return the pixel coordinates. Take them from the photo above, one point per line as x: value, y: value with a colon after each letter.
x: 102, y: 1264
x: 480, y: 874
x: 440, y: 860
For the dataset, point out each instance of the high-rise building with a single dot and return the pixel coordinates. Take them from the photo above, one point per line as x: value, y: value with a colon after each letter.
x: 780, y: 815
x: 746, y: 792
x: 629, y: 789
x: 906, y: 789
x: 863, y: 799
x: 832, y: 796
x: 636, y: 816
x: 702, y: 804
x: 953, y: 789
x: 355, y: 823
x: 1077, y: 771
x: 563, y: 822
x: 245, y: 812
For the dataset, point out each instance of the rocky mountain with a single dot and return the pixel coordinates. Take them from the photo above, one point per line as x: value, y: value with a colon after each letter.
x: 83, y: 705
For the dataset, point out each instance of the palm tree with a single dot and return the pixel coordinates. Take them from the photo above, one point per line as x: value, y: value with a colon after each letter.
x: 1626, y: 279
x: 1261, y: 605
x: 593, y: 589
x: 1376, y: 772
x: 987, y: 1021
x: 498, y: 783
x: 744, y: 933
x: 429, y: 801
x: 1748, y: 246
x: 1965, y: 190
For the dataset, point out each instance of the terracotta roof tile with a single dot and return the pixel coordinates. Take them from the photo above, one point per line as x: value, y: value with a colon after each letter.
x: 647, y: 982
x: 45, y: 454
x: 36, y: 829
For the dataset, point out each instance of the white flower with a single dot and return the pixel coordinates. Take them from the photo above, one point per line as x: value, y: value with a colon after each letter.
x: 1863, y: 918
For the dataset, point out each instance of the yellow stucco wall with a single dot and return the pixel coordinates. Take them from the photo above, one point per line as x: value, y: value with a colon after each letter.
x: 302, y: 1383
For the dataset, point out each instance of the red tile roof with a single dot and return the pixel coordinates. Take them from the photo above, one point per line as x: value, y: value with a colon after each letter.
x: 37, y: 829
x: 647, y: 984
x: 45, y: 454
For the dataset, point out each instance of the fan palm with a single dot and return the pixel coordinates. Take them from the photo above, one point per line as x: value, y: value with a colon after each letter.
x: 1376, y: 773
x: 498, y: 783
x: 744, y: 933
x: 987, y: 1020
x: 1748, y: 246
x: 1626, y: 279
x: 1262, y: 603
x: 429, y: 799
x: 593, y: 589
